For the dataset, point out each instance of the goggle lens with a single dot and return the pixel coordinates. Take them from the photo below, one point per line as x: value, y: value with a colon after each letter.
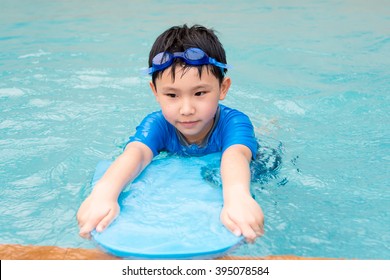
x: 161, y: 58
x: 194, y: 54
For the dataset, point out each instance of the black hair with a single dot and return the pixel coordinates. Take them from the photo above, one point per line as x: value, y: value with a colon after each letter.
x: 180, y: 38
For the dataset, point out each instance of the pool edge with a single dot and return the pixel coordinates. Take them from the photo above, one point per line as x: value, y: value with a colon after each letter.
x: 33, y: 252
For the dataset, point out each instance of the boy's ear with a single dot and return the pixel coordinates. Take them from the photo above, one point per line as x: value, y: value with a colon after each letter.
x: 225, y: 85
x: 153, y: 88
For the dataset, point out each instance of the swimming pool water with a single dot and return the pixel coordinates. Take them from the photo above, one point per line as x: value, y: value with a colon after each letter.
x: 313, y: 75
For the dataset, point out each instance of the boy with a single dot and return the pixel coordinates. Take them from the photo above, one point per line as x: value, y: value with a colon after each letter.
x: 188, y: 67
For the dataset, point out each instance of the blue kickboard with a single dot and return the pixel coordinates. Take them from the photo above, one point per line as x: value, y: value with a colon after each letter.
x: 168, y: 212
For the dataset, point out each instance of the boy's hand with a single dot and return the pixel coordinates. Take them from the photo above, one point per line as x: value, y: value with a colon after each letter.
x: 96, y: 213
x: 101, y: 206
x: 243, y: 216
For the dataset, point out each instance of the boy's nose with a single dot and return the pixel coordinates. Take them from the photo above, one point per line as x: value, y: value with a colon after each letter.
x: 187, y: 108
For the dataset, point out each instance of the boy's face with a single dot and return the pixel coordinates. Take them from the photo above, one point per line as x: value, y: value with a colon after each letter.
x: 190, y: 102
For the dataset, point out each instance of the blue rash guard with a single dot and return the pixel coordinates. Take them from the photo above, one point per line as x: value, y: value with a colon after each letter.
x: 230, y: 127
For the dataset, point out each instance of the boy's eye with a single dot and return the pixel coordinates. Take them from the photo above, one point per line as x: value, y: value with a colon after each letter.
x: 171, y: 95
x: 200, y: 93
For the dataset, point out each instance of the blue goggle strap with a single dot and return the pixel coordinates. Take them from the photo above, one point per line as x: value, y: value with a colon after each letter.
x: 211, y: 61
x: 214, y: 62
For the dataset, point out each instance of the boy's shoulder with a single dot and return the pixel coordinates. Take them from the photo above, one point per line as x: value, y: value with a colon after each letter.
x: 155, y: 116
x: 227, y: 112
x: 154, y: 119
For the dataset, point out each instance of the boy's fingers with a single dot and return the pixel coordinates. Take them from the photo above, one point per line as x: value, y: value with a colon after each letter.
x: 259, y: 230
x: 87, y: 227
x: 254, y: 232
x: 257, y: 226
x: 85, y: 230
x: 230, y: 225
x: 106, y: 221
x: 81, y: 218
x: 85, y: 235
x: 248, y: 233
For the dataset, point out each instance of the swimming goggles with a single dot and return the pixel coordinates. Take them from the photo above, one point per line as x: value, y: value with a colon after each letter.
x: 191, y: 56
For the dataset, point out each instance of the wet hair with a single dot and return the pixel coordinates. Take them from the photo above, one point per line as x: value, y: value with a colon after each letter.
x: 180, y: 38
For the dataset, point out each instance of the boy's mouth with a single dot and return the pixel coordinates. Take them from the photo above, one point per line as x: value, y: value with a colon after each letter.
x: 188, y: 124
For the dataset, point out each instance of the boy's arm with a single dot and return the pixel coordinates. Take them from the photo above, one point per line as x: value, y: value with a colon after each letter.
x: 101, y: 206
x: 241, y: 214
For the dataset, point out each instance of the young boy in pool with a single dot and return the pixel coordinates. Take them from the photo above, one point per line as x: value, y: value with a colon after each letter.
x: 188, y: 69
